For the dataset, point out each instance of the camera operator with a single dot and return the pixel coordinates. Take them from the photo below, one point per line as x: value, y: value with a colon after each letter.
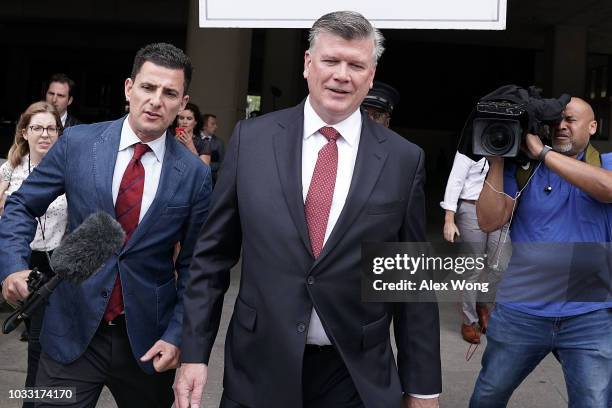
x: 566, y: 200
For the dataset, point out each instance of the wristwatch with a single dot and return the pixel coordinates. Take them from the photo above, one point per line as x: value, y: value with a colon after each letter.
x: 543, y: 152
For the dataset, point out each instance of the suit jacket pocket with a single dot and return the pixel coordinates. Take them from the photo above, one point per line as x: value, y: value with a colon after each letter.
x: 385, y: 208
x: 182, y: 210
x: 245, y: 314
x: 375, y: 332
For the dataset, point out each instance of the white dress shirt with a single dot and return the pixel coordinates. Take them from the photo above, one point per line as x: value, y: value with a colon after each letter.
x: 151, y: 161
x: 348, y: 144
x: 63, y: 118
x: 465, y: 181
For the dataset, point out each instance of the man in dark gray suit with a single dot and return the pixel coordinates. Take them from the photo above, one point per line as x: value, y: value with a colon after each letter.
x: 299, y: 192
x: 217, y: 148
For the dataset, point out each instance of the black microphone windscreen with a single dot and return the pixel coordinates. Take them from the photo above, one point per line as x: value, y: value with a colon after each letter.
x: 88, y: 247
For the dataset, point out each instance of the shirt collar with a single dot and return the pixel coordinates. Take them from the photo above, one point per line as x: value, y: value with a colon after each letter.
x: 129, y: 138
x: 63, y: 118
x: 349, y: 128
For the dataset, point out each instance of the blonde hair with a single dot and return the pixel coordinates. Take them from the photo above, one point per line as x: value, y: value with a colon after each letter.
x: 20, y: 146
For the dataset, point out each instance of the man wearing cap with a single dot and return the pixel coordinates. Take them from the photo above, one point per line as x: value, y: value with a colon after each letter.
x: 380, y: 102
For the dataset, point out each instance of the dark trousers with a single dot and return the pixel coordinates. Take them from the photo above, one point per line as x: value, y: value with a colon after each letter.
x: 34, y: 324
x: 326, y: 382
x: 107, y: 361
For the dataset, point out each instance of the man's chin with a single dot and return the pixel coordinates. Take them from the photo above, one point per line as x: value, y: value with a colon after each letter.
x: 562, y: 147
x: 151, y: 133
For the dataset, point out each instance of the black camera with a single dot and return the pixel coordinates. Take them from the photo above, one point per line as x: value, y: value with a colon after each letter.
x: 497, y: 128
x: 501, y: 118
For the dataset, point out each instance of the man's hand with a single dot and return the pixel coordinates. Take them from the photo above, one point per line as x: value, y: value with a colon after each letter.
x: 165, y: 356
x: 413, y: 402
x: 533, y: 145
x: 15, y: 287
x: 450, y: 230
x: 190, y: 379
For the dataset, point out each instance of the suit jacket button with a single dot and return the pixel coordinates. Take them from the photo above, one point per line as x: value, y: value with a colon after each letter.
x: 310, y: 280
x: 301, y: 327
x: 104, y: 294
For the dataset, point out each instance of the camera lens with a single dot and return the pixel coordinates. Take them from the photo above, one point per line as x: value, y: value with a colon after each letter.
x: 498, y: 138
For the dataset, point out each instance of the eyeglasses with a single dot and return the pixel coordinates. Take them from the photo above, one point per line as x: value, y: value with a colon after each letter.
x: 38, y: 130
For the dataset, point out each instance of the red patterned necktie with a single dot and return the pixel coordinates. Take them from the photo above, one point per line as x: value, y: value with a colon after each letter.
x: 127, y: 211
x: 321, y: 191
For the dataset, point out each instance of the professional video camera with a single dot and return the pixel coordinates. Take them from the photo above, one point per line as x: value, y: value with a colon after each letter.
x: 502, y: 117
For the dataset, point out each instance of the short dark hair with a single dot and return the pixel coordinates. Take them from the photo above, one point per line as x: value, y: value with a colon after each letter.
x: 206, y: 116
x: 197, y: 115
x: 164, y: 55
x: 63, y: 79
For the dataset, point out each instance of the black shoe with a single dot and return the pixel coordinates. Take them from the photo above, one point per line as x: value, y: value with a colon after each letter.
x: 24, y: 335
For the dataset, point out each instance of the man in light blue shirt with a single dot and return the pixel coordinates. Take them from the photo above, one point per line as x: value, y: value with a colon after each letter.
x: 562, y: 210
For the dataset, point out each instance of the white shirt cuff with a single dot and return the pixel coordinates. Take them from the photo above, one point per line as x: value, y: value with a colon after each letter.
x: 448, y: 206
x: 421, y: 396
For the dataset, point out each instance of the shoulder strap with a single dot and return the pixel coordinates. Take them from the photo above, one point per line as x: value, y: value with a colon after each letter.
x: 592, y: 156
x: 523, y: 173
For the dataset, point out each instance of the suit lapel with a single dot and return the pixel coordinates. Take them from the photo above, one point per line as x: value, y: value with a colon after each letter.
x: 288, y: 153
x: 104, y: 153
x: 370, y: 159
x: 169, y: 181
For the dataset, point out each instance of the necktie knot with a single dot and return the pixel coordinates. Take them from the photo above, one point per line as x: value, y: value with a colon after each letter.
x: 330, y: 133
x: 139, y: 150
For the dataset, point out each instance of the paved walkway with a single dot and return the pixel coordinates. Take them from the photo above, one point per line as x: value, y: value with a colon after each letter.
x: 544, y: 388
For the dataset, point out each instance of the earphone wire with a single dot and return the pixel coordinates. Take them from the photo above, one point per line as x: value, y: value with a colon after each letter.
x: 506, y: 231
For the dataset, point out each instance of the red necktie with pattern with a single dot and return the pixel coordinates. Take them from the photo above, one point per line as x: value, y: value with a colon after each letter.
x: 321, y: 191
x: 127, y: 211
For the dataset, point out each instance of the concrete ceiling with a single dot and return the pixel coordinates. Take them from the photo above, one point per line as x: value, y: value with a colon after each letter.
x: 592, y: 14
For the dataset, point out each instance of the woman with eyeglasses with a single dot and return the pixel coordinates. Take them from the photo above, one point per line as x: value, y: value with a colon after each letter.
x: 37, y: 130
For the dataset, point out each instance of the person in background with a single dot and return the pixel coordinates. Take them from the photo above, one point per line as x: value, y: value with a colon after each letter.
x: 462, y: 189
x: 187, y: 126
x: 217, y: 148
x: 37, y: 130
x: 380, y: 102
x: 61, y: 95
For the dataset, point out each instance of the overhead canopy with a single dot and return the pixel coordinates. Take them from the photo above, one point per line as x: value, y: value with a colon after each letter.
x: 424, y: 14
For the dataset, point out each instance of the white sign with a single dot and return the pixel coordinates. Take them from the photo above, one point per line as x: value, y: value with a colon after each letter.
x: 424, y: 14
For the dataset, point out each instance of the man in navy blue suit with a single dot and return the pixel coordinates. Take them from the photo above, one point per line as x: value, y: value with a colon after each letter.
x: 122, y: 327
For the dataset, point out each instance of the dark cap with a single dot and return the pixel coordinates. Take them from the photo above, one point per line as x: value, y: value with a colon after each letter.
x: 382, y: 96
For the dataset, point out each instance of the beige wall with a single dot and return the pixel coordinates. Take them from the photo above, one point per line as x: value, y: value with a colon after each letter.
x: 220, y: 58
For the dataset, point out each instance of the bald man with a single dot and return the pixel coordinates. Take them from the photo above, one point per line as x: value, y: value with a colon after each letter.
x: 541, y: 301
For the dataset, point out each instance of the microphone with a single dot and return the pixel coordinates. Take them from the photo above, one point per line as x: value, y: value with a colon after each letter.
x: 81, y: 254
